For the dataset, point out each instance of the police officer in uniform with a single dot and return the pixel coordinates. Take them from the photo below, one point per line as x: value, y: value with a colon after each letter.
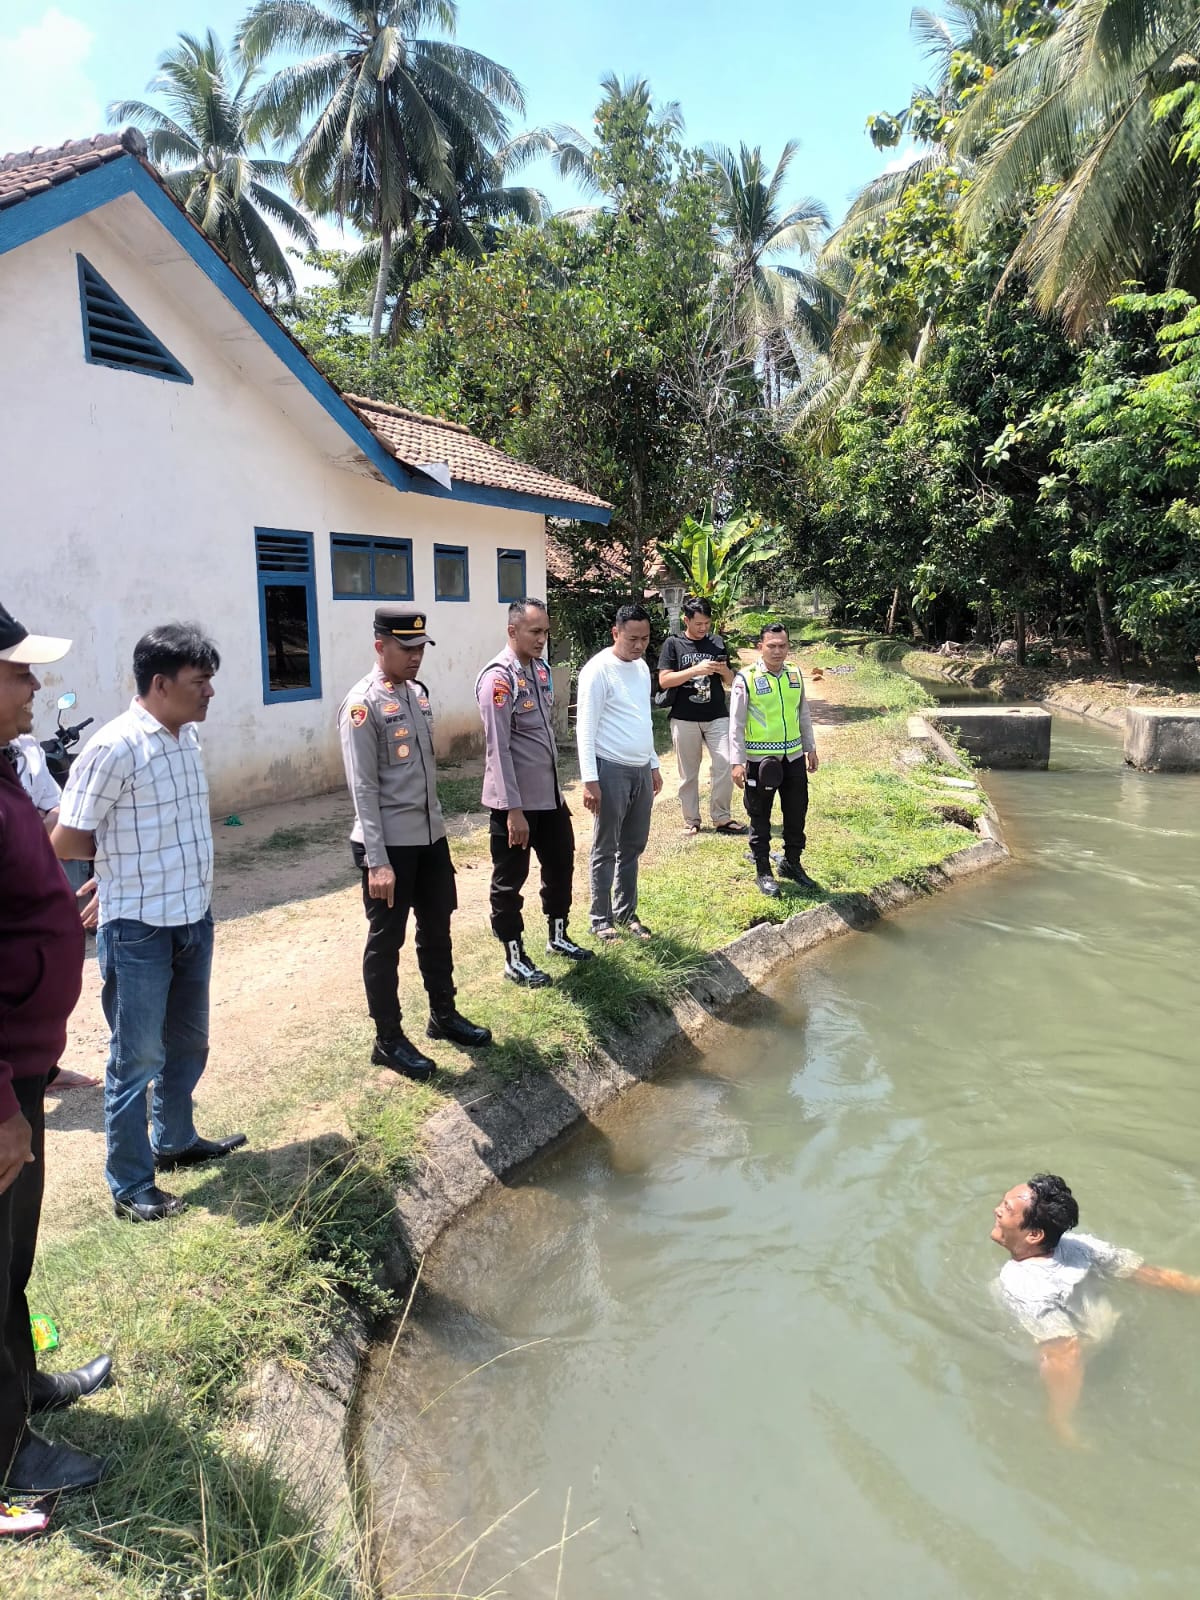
x: 773, y: 750
x: 521, y: 789
x: 399, y: 841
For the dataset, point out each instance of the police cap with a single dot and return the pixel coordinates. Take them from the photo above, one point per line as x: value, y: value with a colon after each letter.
x: 402, y: 624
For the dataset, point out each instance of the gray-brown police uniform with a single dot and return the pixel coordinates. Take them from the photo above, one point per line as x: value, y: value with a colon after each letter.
x: 516, y: 704
x: 387, y: 748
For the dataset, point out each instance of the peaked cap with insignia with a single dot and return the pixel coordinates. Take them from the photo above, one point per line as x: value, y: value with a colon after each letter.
x: 402, y: 624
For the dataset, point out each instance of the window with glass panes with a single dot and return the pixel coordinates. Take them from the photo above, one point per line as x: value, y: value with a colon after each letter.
x: 371, y: 569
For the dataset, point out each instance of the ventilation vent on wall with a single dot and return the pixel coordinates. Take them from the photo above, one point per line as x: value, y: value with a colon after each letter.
x: 114, y: 337
x: 283, y: 552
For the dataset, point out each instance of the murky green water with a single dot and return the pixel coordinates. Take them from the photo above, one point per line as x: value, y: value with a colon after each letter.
x: 771, y: 1364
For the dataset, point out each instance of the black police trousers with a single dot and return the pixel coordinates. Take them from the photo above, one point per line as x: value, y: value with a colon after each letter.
x: 424, y: 885
x: 20, y: 1211
x: 793, y: 799
x: 552, y: 840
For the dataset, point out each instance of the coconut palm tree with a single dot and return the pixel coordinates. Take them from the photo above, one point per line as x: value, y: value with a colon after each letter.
x: 378, y: 108
x: 576, y: 156
x: 469, y: 222
x: 1077, y: 113
x: 202, y: 144
x: 753, y: 227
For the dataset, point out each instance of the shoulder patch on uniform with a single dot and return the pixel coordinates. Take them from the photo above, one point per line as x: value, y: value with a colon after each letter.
x: 357, y: 714
x: 501, y: 689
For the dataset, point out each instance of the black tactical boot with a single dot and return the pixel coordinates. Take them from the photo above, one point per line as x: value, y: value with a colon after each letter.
x: 520, y: 969
x: 765, y: 879
x: 446, y: 1023
x: 399, y: 1053
x: 560, y: 942
x: 794, y: 871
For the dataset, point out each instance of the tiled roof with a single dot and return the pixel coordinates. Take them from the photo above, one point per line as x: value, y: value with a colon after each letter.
x: 29, y: 172
x: 607, y: 569
x: 416, y: 440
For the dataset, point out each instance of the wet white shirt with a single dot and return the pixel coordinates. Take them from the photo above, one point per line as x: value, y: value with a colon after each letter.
x: 1055, y: 1296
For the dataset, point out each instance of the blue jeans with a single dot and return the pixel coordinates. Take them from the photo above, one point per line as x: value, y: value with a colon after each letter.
x: 155, y: 999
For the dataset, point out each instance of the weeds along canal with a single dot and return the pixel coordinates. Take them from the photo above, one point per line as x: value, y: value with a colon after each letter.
x: 746, y: 1323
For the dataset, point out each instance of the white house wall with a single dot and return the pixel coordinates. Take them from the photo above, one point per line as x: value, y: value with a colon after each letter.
x: 126, y: 501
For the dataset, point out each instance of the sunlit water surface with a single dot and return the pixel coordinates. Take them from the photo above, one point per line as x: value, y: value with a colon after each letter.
x: 771, y: 1361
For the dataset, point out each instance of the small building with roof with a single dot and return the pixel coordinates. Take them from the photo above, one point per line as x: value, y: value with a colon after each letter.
x: 171, y: 453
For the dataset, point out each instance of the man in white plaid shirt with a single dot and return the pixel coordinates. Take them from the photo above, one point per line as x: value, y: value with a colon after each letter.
x: 137, y: 800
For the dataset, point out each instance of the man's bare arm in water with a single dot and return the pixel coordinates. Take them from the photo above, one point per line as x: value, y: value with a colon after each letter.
x: 1060, y: 1361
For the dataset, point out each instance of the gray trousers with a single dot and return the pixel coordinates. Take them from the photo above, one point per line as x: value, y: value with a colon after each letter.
x: 691, y: 739
x: 619, y: 836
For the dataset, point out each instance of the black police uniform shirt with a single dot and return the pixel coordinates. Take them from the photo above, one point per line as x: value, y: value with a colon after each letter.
x: 677, y: 654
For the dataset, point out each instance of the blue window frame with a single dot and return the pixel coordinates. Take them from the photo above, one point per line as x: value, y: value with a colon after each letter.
x: 114, y: 337
x: 370, y: 569
x: 510, y: 575
x: 287, y: 615
x: 451, y: 572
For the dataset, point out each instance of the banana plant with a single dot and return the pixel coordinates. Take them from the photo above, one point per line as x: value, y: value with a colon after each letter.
x: 711, y: 560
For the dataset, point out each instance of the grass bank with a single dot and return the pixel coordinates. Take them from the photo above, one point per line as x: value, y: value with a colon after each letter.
x: 279, y: 1240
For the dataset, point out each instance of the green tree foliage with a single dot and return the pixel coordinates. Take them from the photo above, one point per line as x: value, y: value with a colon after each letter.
x: 712, y: 561
x: 204, y: 144
x: 604, y: 353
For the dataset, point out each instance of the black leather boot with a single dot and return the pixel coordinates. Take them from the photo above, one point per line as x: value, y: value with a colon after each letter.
x: 447, y: 1023
x: 765, y: 879
x: 519, y: 969
x: 560, y: 942
x: 399, y: 1053
x: 54, y: 1391
x: 40, y: 1467
x: 794, y: 871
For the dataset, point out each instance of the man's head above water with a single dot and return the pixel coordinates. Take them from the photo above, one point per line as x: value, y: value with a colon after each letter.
x: 1033, y: 1217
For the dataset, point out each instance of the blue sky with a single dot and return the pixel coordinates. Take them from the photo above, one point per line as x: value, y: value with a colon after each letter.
x: 757, y: 73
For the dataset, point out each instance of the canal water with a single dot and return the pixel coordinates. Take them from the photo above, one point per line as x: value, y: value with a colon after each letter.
x: 761, y: 1354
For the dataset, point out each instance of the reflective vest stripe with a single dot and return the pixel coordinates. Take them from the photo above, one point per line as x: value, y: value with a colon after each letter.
x: 773, y: 716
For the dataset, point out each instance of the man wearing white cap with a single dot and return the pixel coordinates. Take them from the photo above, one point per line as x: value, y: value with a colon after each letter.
x: 41, y: 967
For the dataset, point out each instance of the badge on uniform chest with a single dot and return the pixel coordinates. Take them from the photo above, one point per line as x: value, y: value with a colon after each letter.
x: 762, y: 685
x: 793, y: 679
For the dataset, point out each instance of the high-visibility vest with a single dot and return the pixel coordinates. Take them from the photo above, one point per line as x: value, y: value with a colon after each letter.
x: 773, y: 716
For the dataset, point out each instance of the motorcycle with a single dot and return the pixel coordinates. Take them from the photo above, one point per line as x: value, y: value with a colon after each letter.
x: 59, y: 749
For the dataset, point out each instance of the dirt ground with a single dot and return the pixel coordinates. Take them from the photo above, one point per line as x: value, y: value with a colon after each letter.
x: 286, y: 971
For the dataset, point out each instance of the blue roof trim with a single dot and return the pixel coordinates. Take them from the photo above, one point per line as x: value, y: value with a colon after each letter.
x: 76, y: 197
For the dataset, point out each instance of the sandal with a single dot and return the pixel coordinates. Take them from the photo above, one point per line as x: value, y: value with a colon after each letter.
x: 731, y: 827
x: 607, y: 933
x: 690, y: 832
x: 638, y: 928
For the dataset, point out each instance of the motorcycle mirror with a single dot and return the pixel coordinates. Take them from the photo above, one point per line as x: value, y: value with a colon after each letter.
x: 66, y: 701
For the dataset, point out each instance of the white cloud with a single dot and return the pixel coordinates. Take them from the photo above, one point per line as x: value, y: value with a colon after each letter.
x: 903, y: 159
x: 46, y: 94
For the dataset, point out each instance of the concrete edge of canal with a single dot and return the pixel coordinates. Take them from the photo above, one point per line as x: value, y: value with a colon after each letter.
x: 304, y: 1419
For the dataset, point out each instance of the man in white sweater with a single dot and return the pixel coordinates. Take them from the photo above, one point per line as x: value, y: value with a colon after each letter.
x: 619, y: 770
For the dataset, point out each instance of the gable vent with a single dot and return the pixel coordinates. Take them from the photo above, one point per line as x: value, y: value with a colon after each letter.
x: 283, y: 552
x: 114, y: 337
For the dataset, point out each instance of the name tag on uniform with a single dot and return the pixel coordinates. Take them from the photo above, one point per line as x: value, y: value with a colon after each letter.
x: 762, y: 685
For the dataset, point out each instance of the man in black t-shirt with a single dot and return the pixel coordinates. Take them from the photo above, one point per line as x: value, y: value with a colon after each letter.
x: 694, y: 668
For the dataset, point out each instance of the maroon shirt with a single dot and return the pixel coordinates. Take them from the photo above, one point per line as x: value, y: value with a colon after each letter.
x: 41, y: 944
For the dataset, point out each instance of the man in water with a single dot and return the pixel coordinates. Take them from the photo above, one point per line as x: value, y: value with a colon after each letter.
x: 1050, y: 1285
